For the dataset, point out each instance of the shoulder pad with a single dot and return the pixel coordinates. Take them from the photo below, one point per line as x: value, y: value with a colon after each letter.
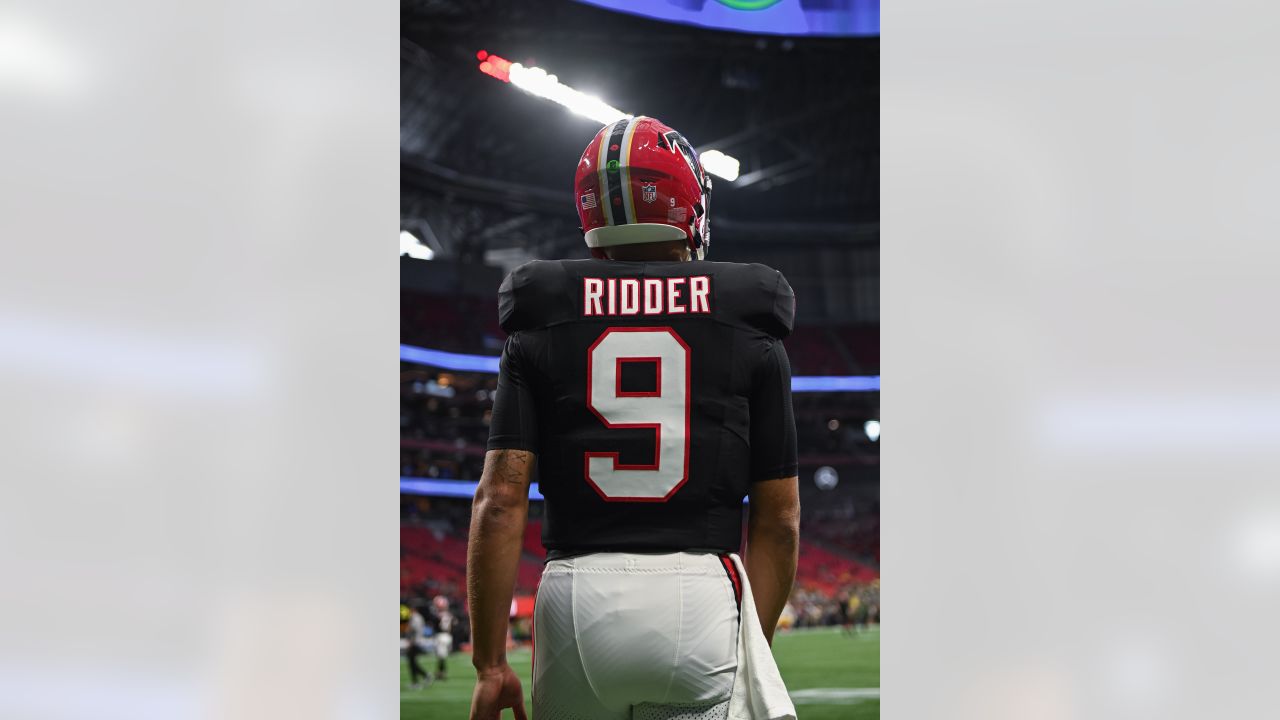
x: 769, y: 303
x: 784, y: 306
x: 532, y: 296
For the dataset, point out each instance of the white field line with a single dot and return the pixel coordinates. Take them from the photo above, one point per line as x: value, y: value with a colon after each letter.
x: 834, y: 696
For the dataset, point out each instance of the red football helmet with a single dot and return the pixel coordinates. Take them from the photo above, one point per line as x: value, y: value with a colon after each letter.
x: 640, y: 181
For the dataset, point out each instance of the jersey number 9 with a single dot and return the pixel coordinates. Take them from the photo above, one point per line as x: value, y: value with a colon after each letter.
x: 665, y: 410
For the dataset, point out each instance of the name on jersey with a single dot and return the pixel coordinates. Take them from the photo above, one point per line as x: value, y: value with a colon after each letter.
x: 646, y: 296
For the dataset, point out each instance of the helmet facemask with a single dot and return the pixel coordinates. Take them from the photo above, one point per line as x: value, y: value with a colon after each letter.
x: 700, y: 228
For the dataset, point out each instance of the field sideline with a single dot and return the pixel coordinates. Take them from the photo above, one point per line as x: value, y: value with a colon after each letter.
x: 831, y: 676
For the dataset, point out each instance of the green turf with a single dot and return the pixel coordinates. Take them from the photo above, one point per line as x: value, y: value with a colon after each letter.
x: 808, y: 659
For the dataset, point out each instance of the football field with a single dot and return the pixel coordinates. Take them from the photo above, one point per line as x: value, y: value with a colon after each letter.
x: 830, y: 675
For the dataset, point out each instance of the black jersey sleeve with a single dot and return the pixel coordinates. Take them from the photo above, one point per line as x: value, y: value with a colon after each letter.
x: 514, y: 422
x: 773, y: 422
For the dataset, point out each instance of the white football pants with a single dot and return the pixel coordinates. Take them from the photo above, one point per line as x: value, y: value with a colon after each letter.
x: 622, y: 633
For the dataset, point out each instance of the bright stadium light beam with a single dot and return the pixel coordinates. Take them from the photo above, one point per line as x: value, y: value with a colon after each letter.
x: 413, y: 247
x: 719, y: 164
x: 536, y: 81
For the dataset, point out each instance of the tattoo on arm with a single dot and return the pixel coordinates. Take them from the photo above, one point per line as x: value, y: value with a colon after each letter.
x: 512, y: 466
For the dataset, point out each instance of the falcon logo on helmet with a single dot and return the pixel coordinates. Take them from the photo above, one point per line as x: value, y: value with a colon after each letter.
x: 651, y: 186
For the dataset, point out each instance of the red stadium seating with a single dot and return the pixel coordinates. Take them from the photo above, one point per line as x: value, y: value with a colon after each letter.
x: 426, y: 555
x: 533, y: 540
x: 826, y: 572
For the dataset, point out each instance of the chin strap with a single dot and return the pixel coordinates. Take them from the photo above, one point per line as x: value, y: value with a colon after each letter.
x: 696, y: 248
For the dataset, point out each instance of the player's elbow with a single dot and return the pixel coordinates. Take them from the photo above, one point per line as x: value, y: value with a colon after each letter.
x: 775, y: 511
x: 504, y: 486
x: 779, y: 527
x: 499, y: 499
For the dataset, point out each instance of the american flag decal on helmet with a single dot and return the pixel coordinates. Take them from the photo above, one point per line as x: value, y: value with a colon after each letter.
x: 588, y: 201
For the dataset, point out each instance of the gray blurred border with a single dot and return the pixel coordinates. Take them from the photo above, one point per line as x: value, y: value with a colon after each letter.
x: 198, y: 326
x: 1081, y: 513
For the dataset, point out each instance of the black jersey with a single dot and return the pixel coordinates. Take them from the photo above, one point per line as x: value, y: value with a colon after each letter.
x: 653, y: 393
x: 442, y: 621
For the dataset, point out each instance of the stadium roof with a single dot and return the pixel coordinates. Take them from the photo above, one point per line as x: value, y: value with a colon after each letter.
x: 487, y: 170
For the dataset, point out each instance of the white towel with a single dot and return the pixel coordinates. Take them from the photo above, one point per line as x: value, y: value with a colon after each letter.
x: 758, y: 692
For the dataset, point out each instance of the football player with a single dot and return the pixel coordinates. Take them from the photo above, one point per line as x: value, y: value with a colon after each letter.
x: 413, y: 640
x: 652, y: 390
x: 442, y: 621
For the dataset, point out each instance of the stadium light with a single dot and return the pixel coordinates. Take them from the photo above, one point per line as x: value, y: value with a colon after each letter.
x: 536, y: 81
x: 826, y: 477
x: 872, y: 429
x: 413, y: 247
x: 494, y: 66
x: 717, y: 163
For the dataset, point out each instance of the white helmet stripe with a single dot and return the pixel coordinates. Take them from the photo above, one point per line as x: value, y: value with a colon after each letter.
x: 602, y: 158
x: 628, y: 194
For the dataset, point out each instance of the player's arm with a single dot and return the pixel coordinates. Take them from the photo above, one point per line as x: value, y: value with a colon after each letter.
x: 493, y: 552
x: 498, y: 517
x: 773, y: 516
x: 773, y: 546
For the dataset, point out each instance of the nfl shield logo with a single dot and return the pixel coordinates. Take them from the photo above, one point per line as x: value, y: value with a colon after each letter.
x: 648, y: 192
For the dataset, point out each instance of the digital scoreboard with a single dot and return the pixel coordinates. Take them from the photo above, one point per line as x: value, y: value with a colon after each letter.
x: 770, y: 17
